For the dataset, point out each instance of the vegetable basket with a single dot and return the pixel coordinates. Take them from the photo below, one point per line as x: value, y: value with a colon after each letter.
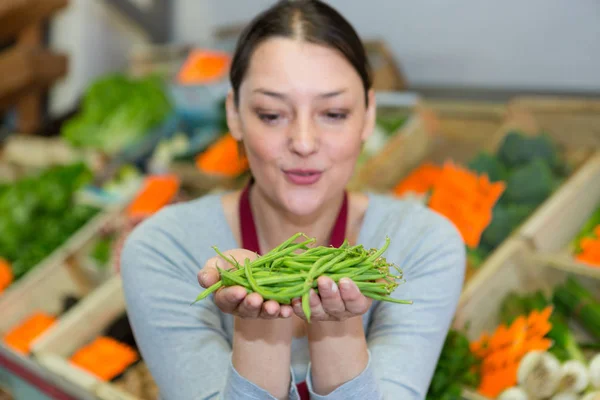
x: 88, y: 320
x: 513, y: 269
x: 511, y: 214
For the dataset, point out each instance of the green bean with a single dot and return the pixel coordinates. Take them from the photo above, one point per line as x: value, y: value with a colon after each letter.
x: 288, y: 242
x: 281, y: 279
x: 325, y: 267
x: 368, y: 277
x: 378, y: 253
x: 353, y: 262
x: 297, y: 265
x: 378, y: 297
x: 306, y: 305
x: 273, y: 256
x: 206, y: 292
x: 266, y: 294
x: 226, y: 275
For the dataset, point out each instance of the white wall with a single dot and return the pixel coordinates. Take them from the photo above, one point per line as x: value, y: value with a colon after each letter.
x: 553, y: 44
x: 97, y: 41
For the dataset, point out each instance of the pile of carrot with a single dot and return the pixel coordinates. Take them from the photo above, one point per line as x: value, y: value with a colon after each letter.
x: 291, y: 270
x: 105, y: 358
x: 23, y: 335
x: 6, y: 274
x: 222, y: 158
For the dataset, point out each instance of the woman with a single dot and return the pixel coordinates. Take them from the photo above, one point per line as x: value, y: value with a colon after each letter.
x: 302, y: 105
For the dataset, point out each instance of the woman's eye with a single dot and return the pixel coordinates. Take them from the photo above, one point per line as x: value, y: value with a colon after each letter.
x: 336, y: 116
x: 268, y: 117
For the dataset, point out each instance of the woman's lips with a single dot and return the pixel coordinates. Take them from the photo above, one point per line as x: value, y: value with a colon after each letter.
x: 303, y: 176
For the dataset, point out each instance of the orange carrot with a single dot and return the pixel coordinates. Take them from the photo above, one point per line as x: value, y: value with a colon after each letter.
x: 203, y: 67
x: 502, y: 351
x: 420, y: 181
x: 6, y: 274
x: 105, y: 358
x: 157, y: 192
x: 222, y: 158
x: 22, y: 336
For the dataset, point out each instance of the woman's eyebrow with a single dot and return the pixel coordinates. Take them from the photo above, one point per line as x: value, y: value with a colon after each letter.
x: 270, y: 93
x: 282, y: 96
x: 332, y: 94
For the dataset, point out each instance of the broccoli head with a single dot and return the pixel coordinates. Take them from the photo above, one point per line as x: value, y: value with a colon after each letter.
x: 485, y: 163
x: 530, y: 184
x: 517, y: 150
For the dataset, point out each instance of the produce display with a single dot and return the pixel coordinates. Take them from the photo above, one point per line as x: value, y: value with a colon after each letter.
x: 546, y: 343
x: 530, y: 168
x: 284, y: 274
x: 37, y: 215
x: 117, y: 111
x: 537, y: 352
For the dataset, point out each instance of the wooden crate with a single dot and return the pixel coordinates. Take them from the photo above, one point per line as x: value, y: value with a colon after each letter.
x: 59, y: 275
x: 552, y: 228
x: 572, y: 119
x: 90, y: 317
x: 514, y: 269
x: 465, y: 126
x: 404, y: 150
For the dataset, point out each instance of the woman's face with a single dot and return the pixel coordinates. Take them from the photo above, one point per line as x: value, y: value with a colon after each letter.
x: 303, y: 118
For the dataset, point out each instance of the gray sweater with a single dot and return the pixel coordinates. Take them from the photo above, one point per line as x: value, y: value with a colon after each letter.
x: 188, y: 348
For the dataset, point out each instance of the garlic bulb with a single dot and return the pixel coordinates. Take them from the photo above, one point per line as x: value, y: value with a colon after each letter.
x: 513, y: 393
x: 539, y: 374
x: 574, y: 377
x: 594, y: 371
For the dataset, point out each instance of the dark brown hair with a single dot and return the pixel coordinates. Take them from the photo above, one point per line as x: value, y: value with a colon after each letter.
x: 309, y: 20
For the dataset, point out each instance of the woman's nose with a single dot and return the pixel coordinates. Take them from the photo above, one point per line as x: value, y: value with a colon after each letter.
x: 304, y: 139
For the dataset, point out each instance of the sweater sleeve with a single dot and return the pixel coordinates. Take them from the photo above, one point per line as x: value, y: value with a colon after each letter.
x: 184, y: 346
x: 405, y: 341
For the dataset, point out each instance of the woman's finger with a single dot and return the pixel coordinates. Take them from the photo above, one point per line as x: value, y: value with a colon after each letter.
x: 285, y: 311
x: 297, y: 308
x: 228, y: 299
x: 354, y: 300
x: 331, y: 299
x: 316, y: 307
x: 270, y: 310
x: 251, y: 306
x: 209, y: 275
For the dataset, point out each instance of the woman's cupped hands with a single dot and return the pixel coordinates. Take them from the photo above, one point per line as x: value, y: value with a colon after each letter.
x: 335, y: 301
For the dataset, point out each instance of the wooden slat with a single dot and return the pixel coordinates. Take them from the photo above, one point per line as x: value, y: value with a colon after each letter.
x: 575, y: 120
x: 564, y: 261
x: 15, y: 15
x: 29, y: 107
x: 24, y: 70
x: 559, y: 219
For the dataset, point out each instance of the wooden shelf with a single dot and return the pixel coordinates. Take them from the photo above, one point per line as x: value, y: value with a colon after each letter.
x: 28, y: 69
x: 15, y: 15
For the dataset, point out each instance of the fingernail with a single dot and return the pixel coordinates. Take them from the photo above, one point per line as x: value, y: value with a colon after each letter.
x: 346, y: 284
x: 203, y: 276
x: 334, y: 287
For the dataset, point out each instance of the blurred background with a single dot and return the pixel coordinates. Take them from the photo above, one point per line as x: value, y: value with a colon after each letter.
x: 113, y: 109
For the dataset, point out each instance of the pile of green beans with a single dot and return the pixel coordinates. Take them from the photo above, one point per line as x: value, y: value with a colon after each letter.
x: 291, y: 269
